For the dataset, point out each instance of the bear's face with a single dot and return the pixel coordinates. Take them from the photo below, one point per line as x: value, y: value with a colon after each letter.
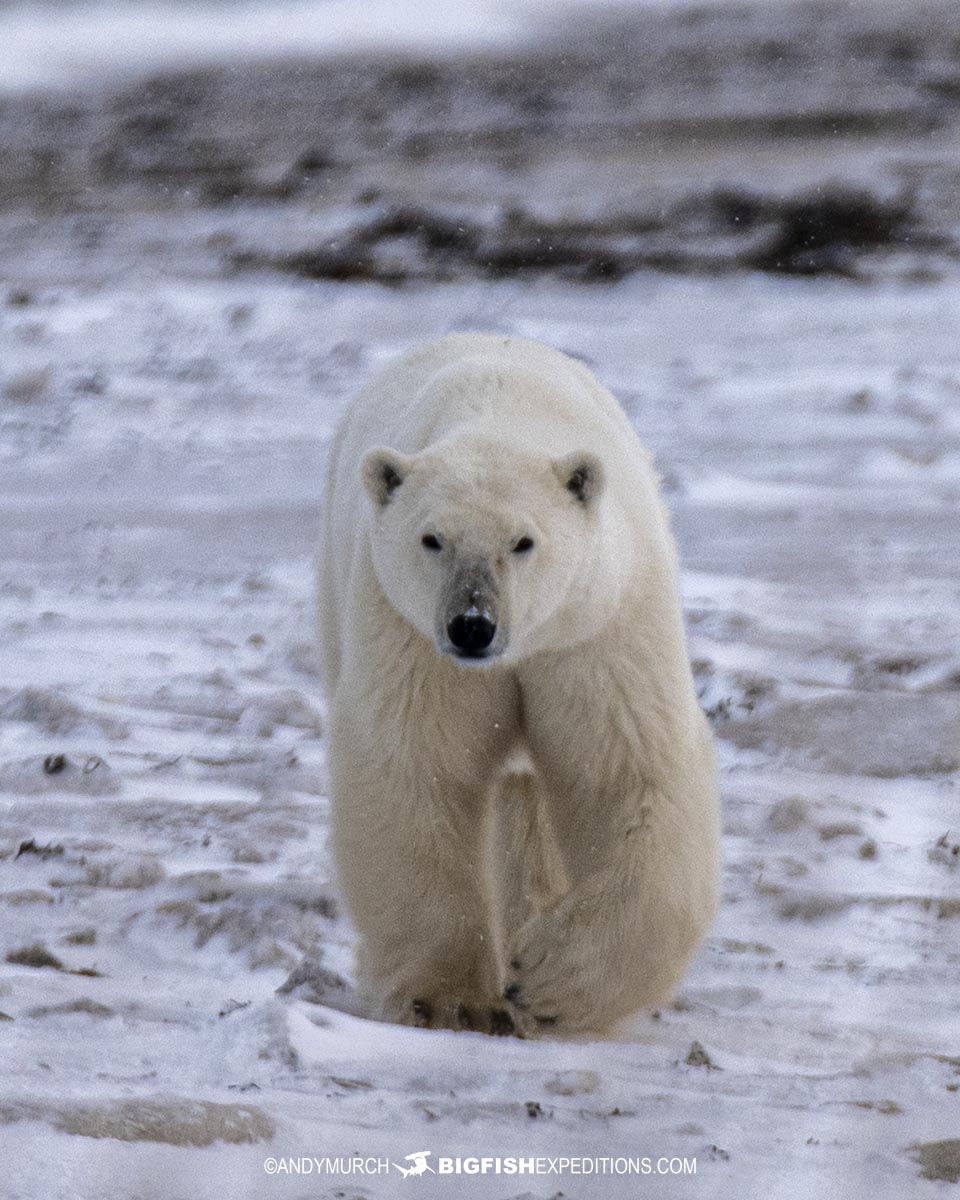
x: 478, y: 545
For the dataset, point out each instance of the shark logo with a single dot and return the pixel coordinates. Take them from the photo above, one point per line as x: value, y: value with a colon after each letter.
x: 418, y: 1165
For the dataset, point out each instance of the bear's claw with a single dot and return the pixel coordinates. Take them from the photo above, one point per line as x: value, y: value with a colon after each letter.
x: 479, y: 1019
x: 513, y: 994
x: 422, y: 1013
x: 502, y: 1024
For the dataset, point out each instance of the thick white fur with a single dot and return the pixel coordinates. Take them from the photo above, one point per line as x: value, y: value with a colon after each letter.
x: 547, y: 823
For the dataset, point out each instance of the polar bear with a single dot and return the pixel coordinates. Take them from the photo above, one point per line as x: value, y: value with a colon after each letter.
x: 524, y: 816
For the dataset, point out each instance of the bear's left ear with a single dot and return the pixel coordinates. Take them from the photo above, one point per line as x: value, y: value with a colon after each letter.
x: 383, y: 472
x: 581, y: 473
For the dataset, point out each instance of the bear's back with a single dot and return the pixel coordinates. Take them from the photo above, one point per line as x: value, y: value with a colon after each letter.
x: 491, y: 383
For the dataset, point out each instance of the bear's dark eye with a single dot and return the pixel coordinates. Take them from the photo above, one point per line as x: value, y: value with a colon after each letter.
x: 523, y: 545
x: 430, y: 541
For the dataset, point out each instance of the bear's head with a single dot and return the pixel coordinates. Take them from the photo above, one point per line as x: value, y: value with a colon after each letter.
x: 483, y: 548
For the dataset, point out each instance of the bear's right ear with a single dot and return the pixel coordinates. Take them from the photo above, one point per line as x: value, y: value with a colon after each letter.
x: 383, y: 472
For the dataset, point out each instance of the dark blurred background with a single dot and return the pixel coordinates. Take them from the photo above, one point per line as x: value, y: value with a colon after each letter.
x: 403, y: 141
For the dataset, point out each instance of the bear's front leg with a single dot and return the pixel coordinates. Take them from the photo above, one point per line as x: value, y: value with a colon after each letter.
x: 620, y: 939
x: 408, y: 842
x: 628, y: 773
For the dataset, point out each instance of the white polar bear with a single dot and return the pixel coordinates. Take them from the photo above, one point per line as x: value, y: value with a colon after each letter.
x: 524, y: 807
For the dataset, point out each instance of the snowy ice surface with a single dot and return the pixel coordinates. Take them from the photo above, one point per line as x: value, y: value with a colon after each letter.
x: 161, y: 451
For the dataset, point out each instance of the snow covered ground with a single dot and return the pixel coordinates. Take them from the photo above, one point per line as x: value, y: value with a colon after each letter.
x: 175, y: 993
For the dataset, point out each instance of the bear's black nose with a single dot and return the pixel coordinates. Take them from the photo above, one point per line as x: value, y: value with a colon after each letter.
x: 471, y: 634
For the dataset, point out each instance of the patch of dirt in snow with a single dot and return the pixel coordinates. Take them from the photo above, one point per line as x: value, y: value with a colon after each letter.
x: 177, y: 1121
